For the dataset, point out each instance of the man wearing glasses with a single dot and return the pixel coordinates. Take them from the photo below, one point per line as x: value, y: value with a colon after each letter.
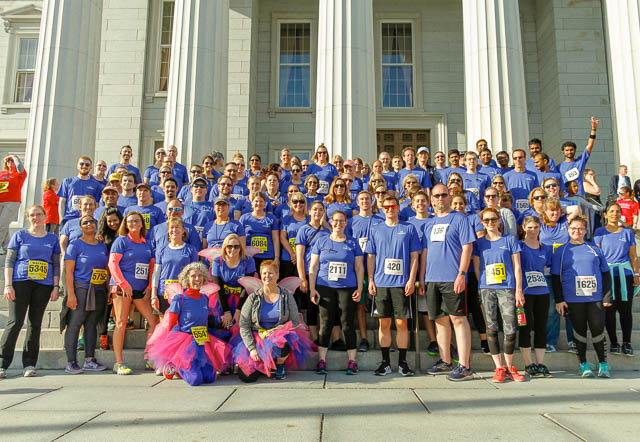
x: 237, y: 191
x: 520, y: 181
x: 74, y: 188
x: 392, y: 251
x: 160, y: 232
x: 199, y: 212
x: 184, y: 194
x: 447, y: 245
x: 126, y: 152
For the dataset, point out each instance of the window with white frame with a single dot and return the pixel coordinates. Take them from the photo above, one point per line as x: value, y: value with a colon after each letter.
x: 25, y: 69
x: 166, y: 32
x: 397, y: 65
x: 294, y: 65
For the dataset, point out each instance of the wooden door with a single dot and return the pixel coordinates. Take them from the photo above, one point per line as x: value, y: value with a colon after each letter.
x: 394, y: 140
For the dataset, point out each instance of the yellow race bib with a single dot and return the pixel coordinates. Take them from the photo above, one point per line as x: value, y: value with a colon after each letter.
x: 4, y: 186
x: 495, y: 273
x: 292, y: 243
x: 200, y: 334
x: 232, y: 290
x: 556, y: 245
x: 37, y: 270
x: 98, y: 276
x: 147, y: 220
x: 263, y: 332
x: 259, y: 242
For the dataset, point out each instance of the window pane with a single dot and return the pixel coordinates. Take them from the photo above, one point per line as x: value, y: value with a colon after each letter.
x: 295, y: 65
x: 397, y: 65
x: 165, y: 57
x: 397, y: 85
x: 397, y: 43
x: 24, y: 87
x: 167, y: 23
x: 27, y: 53
x: 294, y: 86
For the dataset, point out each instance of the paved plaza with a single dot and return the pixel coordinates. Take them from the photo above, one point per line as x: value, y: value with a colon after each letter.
x: 309, y: 407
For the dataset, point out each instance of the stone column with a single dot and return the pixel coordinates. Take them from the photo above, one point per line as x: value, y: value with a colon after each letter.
x: 495, y: 92
x: 345, y: 92
x: 622, y: 21
x: 62, y: 124
x: 196, y: 113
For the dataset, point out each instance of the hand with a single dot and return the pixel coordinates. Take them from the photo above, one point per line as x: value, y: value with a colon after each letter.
x: 460, y: 284
x: 636, y: 281
x: 315, y: 297
x: 356, y: 296
x: 128, y: 292
x: 72, y: 301
x: 304, y: 286
x: 9, y: 293
x: 55, y: 293
x: 253, y: 354
x: 226, y: 319
x: 519, y: 297
x: 147, y: 292
x: 607, y: 304
x: 155, y: 303
x: 561, y: 308
x: 421, y: 289
x: 236, y: 316
x: 372, y: 288
x: 409, y: 288
x: 294, y: 259
x: 594, y: 123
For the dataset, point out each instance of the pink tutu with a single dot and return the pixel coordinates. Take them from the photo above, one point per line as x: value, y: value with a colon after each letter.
x: 181, y: 350
x: 299, y: 343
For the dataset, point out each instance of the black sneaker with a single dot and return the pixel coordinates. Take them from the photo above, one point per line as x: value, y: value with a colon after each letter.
x: 543, y: 371
x: 532, y: 370
x: 454, y: 354
x: 383, y: 370
x: 627, y: 350
x: 338, y: 345
x: 440, y: 367
x: 404, y: 369
x: 432, y: 349
x: 363, y: 346
x: 485, y: 348
x: 615, y: 348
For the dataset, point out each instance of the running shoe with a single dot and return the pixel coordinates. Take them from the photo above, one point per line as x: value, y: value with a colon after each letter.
x: 627, y: 350
x: 404, y: 369
x: 130, y: 324
x: 363, y: 346
x: 532, y: 370
x: 92, y: 365
x: 73, y: 368
x: 122, y: 369
x: 440, y: 367
x: 104, y: 342
x: 584, y: 370
x: 29, y: 371
x: 168, y: 371
x: 499, y: 375
x: 615, y: 349
x: 80, y: 345
x: 158, y: 371
x: 352, y: 367
x: 544, y: 371
x: 321, y: 367
x: 572, y: 348
x: 148, y: 365
x: 603, y: 370
x: 281, y: 373
x: 512, y: 372
x: 454, y: 354
x: 383, y: 370
x: 432, y: 349
x: 460, y: 373
x: 485, y: 347
x: 3, y: 373
x: 551, y: 348
x: 111, y: 326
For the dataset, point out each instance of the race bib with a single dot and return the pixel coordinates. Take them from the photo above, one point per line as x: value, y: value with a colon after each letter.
x: 147, y: 220
x: 142, y: 271
x: 236, y: 196
x: 263, y: 332
x: 586, y: 285
x: 199, y: 230
x: 495, y: 273
x: 438, y: 232
x: 259, y: 242
x: 556, y: 245
x: 4, y: 186
x: 393, y: 267
x: 292, y: 243
x: 572, y: 174
x: 522, y: 204
x: 323, y: 187
x: 166, y: 283
x: 363, y: 243
x: 337, y: 270
x: 98, y: 276
x: 475, y: 191
x: 200, y: 334
x: 37, y: 270
x: 232, y: 290
x: 75, y: 202
x: 535, y: 279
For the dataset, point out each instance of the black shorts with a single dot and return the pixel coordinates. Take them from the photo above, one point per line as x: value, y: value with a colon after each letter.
x: 442, y: 300
x: 391, y: 301
x: 137, y: 294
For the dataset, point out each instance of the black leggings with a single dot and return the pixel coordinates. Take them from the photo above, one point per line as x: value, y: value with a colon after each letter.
x: 536, y: 308
x: 474, y: 304
x: 337, y: 302
x: 589, y: 314
x: 287, y: 269
x: 310, y: 307
x: 79, y: 317
x: 622, y: 307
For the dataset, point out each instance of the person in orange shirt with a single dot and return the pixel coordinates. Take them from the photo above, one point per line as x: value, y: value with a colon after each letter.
x: 50, y: 203
x: 12, y: 178
x: 629, y: 208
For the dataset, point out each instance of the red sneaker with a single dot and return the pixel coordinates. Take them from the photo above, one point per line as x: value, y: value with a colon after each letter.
x: 499, y: 376
x: 514, y: 375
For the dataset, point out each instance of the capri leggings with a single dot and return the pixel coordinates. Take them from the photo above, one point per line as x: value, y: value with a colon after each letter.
x: 591, y: 315
x: 336, y: 302
x: 625, y: 311
x: 500, y: 302
x: 536, y: 308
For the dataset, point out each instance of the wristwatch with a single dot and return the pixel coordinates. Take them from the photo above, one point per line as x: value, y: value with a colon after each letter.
x: 461, y: 272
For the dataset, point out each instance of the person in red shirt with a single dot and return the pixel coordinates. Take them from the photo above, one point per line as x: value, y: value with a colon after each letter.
x: 629, y: 208
x: 12, y: 178
x: 50, y: 203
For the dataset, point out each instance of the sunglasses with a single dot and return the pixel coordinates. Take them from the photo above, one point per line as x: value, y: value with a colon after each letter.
x: 518, y: 158
x: 164, y: 172
x: 83, y: 164
x: 491, y: 196
x: 312, y: 182
x: 490, y: 220
x: 412, y: 182
x: 540, y: 197
x: 208, y: 163
x: 161, y: 153
x: 377, y: 180
x: 240, y: 164
x: 381, y: 193
x: 389, y: 207
x: 233, y: 246
x: 548, y: 186
x: 253, y: 160
x: 455, y: 180
x: 199, y: 186
x: 495, y: 183
x: 296, y: 170
x: 440, y: 195
x: 195, y: 171
x: 174, y: 209
x: 339, y: 185
x: 88, y: 222
x: 298, y: 201
x: 322, y: 152
x: 339, y: 221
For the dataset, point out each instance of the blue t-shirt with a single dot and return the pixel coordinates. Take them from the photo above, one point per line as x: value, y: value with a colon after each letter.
x: 129, y: 167
x: 551, y: 174
x: 87, y: 258
x: 325, y: 175
x: 151, y: 215
x: 134, y: 264
x: 391, y: 179
x: 192, y: 312
x: 419, y: 225
x: 393, y: 246
x: 35, y: 254
x: 574, y: 170
x: 418, y: 172
x: 229, y: 277
x: 291, y: 226
x: 127, y: 201
x: 535, y: 264
x: 100, y: 210
x: 73, y: 189
x: 553, y: 236
x: 473, y: 203
x: 443, y: 238
x: 151, y: 172
x: 490, y: 170
x: 337, y: 262
x: 476, y: 183
x: 243, y: 205
x: 496, y: 264
x: 160, y: 236
x: 198, y: 214
x: 347, y: 208
x: 580, y: 268
x: 216, y: 233
x: 443, y: 174
x: 172, y: 262
x: 180, y: 174
x: 361, y: 229
x: 71, y: 229
x: 615, y: 246
x: 259, y: 233
x: 520, y: 184
x: 270, y: 313
x: 307, y: 237
x: 531, y: 165
x: 476, y: 224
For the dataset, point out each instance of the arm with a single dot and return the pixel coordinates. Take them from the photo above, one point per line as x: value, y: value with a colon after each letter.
x: 64, y: 242
x: 69, y: 267
x: 460, y: 283
x: 517, y: 269
x: 10, y: 260
x: 275, y: 237
x: 371, y: 271
x: 155, y: 283
x: 284, y: 241
x: 56, y: 276
x: 423, y: 269
x: 594, y: 128
x: 116, y: 273
x: 18, y: 163
x: 633, y: 257
x: 476, y: 266
x: 410, y: 286
x: 222, y: 299
x: 245, y: 326
x: 302, y: 274
x: 359, y: 268
x: 607, y: 296
x: 62, y: 204
x: 313, y: 276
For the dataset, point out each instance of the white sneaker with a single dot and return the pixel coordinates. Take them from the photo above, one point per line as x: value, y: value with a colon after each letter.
x: 3, y: 373
x: 30, y: 372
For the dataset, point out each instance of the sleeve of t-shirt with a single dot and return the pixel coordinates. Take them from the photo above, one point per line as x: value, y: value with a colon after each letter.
x: 147, y: 172
x: 72, y: 252
x: 63, y: 191
x: 215, y: 267
x: 604, y: 266
x: 251, y: 266
x: 548, y: 254
x: 66, y: 229
x: 176, y: 303
x: 370, y: 248
x: 426, y: 180
x: 357, y: 250
x: 514, y: 245
x: 300, y: 237
x: 466, y: 235
x: 194, y: 240
x: 15, y: 241
x: 414, y: 238
x: 56, y: 246
x: 597, y: 237
x: 117, y: 246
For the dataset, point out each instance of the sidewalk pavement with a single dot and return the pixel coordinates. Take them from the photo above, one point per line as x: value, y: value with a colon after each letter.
x: 309, y: 407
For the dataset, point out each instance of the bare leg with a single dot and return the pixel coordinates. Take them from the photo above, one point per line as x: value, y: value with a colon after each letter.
x: 121, y: 308
x: 443, y: 336
x: 463, y: 338
x: 385, y: 332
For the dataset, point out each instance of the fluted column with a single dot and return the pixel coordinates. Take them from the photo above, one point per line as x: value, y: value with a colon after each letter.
x: 495, y: 93
x: 622, y: 21
x: 62, y: 123
x: 345, y: 93
x: 196, y: 112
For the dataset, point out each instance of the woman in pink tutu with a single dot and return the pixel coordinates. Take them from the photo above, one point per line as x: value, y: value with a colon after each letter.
x: 183, y: 341
x: 272, y: 331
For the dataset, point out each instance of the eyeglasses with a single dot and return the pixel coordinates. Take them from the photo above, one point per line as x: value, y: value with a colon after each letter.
x: 208, y: 163
x: 88, y: 222
x: 347, y: 180
x: 233, y: 246
x: 174, y: 209
x: 495, y: 195
x: 577, y: 229
x: 195, y: 171
x: 83, y: 164
x: 339, y: 185
x: 240, y: 164
x: 304, y: 166
x: 253, y: 160
x: 339, y: 221
x: 548, y: 186
x: 381, y: 192
x: 377, y: 180
x: 389, y: 207
x: 540, y: 197
x: 199, y: 186
x: 495, y: 183
x: 322, y: 152
x: 163, y: 172
x: 518, y: 158
x: 298, y: 201
x: 455, y: 180
x: 296, y: 170
x: 312, y: 182
x: 490, y: 220
x: 440, y: 195
x: 411, y: 182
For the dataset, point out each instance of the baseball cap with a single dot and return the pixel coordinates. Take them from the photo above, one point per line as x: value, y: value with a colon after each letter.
x: 114, y: 177
x: 109, y: 188
x: 423, y: 149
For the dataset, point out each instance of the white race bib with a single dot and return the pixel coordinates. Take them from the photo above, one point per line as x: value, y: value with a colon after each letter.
x: 236, y: 196
x: 363, y: 243
x: 522, y: 204
x: 572, y: 174
x: 586, y: 285
x: 142, y: 271
x: 323, y: 187
x: 535, y: 279
x: 337, y: 270
x: 393, y: 267
x: 75, y: 202
x: 438, y: 232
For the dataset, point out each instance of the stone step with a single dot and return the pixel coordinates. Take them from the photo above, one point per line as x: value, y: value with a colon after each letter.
x: 369, y: 361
